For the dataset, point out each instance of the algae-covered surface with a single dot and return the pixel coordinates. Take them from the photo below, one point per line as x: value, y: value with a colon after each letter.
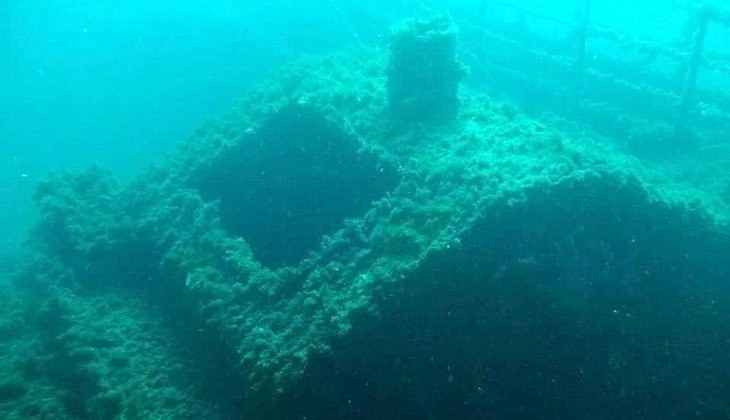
x: 311, y: 254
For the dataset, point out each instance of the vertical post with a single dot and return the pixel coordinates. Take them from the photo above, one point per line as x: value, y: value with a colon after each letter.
x: 483, y: 17
x: 582, y: 10
x: 690, y: 78
x: 423, y: 70
x: 521, y: 26
x: 482, y: 9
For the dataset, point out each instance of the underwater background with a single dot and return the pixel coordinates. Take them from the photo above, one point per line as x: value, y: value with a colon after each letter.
x: 95, y: 82
x: 339, y: 209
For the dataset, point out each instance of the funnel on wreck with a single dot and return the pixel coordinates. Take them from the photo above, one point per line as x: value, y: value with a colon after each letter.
x: 319, y: 252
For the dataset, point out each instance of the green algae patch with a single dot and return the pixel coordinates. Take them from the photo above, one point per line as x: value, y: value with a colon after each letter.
x: 11, y: 390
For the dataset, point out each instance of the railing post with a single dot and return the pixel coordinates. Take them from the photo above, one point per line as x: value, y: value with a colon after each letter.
x: 582, y: 9
x: 690, y: 78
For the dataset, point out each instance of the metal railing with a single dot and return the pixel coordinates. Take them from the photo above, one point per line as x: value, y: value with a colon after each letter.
x: 689, y: 59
